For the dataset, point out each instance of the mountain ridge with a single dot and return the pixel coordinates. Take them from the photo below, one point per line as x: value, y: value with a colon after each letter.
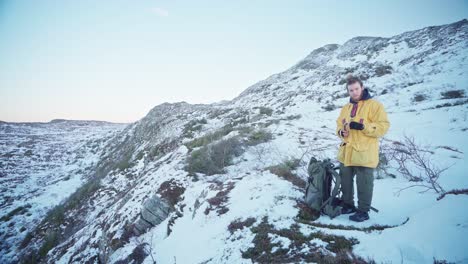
x: 294, y: 109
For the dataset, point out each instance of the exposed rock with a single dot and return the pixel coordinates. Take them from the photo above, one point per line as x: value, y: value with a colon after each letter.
x: 154, y: 211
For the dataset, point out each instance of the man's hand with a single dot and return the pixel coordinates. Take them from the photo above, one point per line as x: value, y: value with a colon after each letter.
x: 345, y: 133
x: 345, y: 130
x: 356, y: 126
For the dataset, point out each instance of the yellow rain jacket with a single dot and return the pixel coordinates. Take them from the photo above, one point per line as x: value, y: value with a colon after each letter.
x: 361, y: 147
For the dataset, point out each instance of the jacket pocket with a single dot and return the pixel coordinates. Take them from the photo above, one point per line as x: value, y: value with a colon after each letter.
x: 360, y: 154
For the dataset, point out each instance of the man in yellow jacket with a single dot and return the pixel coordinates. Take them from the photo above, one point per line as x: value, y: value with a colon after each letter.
x: 360, y: 124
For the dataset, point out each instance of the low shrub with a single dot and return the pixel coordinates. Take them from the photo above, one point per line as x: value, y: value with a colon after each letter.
x: 284, y: 170
x: 212, y: 159
x: 453, y: 94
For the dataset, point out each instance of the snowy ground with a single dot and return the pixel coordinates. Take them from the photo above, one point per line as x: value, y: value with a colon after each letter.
x: 412, y: 226
x: 42, y: 164
x: 420, y: 228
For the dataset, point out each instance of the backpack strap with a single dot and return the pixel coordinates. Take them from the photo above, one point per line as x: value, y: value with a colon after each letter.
x: 336, y: 189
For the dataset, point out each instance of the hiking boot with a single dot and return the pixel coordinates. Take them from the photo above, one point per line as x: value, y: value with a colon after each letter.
x: 359, y: 216
x: 348, y: 209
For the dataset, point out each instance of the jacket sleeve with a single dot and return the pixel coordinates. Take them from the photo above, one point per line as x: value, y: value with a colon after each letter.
x: 339, y: 124
x: 379, y: 124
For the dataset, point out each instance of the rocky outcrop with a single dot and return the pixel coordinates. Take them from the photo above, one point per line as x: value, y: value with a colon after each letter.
x: 154, y: 211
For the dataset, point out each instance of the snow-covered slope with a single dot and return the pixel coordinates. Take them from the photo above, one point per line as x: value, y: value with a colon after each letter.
x: 250, y: 210
x: 42, y: 164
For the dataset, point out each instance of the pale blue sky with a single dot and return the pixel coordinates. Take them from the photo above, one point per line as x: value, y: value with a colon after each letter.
x: 115, y: 60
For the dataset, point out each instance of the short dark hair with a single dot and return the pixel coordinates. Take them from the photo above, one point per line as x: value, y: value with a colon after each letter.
x: 352, y: 79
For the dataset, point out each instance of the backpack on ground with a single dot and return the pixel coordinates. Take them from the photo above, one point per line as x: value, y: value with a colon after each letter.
x: 319, y: 194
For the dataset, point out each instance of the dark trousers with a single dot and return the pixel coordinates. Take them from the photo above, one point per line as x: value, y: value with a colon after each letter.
x: 364, y: 182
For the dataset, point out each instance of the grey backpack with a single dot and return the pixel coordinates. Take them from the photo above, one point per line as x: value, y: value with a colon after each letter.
x: 319, y: 194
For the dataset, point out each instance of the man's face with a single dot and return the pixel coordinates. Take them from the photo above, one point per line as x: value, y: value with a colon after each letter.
x: 355, y: 91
